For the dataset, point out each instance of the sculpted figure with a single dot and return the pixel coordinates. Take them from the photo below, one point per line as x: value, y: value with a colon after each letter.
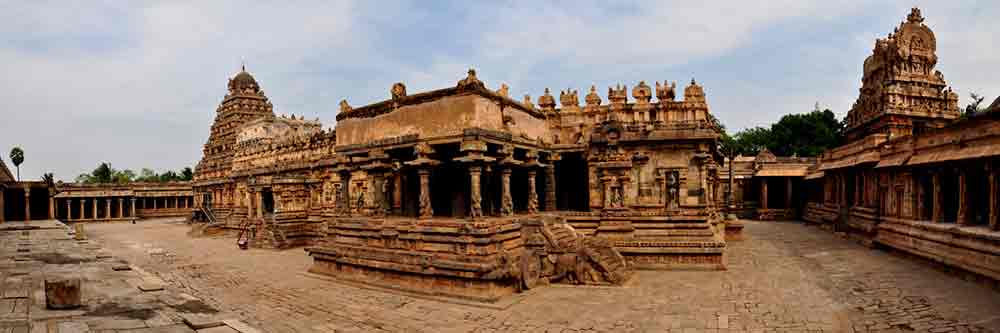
x: 398, y: 90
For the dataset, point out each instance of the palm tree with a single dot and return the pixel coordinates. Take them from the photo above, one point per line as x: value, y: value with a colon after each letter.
x: 17, y: 157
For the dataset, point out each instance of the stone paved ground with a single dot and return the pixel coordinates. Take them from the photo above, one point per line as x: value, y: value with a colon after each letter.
x: 786, y: 277
x: 116, y: 296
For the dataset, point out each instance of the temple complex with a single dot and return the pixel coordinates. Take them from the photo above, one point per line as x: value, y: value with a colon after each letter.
x: 469, y: 190
x: 913, y: 176
x: 768, y: 187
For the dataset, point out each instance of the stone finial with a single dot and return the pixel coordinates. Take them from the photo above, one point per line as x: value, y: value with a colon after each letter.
x: 344, y: 107
x: 666, y: 92
x: 470, y: 81
x: 569, y: 98
x: 593, y: 99
x: 527, y: 101
x: 504, y: 90
x: 546, y: 101
x: 642, y: 93
x: 915, y: 16
x: 398, y: 90
x: 618, y: 94
x: 694, y: 92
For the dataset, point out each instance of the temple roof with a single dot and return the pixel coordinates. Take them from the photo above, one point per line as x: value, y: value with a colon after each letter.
x: 5, y: 175
x: 995, y: 106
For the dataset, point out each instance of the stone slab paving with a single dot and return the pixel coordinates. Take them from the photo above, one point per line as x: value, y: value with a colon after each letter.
x: 786, y: 277
x: 111, y: 299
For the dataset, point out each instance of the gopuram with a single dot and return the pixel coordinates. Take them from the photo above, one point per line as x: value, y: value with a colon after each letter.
x: 913, y: 175
x: 464, y: 191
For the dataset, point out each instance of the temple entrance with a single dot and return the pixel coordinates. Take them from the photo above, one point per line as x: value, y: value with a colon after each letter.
x: 13, y: 209
x: 571, y: 183
x: 267, y: 201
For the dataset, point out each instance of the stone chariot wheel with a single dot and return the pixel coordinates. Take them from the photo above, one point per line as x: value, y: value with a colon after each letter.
x: 531, y: 269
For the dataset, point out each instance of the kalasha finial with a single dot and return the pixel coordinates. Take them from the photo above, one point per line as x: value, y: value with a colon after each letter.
x: 915, y: 16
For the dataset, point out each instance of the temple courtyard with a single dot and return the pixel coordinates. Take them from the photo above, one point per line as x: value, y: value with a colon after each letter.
x: 785, y: 277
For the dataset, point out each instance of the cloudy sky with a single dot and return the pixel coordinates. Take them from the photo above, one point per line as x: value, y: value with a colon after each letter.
x: 136, y: 83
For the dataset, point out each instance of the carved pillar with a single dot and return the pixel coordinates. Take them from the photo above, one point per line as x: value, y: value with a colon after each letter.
x: 606, y: 186
x: 426, y: 211
x: 69, y: 209
x: 506, y: 201
x: 938, y: 211
x: 52, y: 208
x: 259, y: 202
x: 788, y: 193
x: 921, y: 205
x: 532, y: 193
x: 156, y: 203
x: 994, y: 208
x: 763, y: 193
x: 397, y: 193
x: 107, y: 208
x: 345, y: 197
x: 27, y: 204
x: 94, y: 204
x: 550, y: 187
x: 376, y: 193
x: 121, y: 208
x: 963, y: 198
x: 249, y: 202
x: 81, y: 208
x: 476, y: 208
x: 132, y: 211
x: 857, y: 189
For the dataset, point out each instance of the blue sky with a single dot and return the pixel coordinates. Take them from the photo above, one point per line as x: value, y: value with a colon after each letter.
x: 137, y: 86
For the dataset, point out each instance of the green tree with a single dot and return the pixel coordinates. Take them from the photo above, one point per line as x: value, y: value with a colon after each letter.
x: 807, y: 134
x: 187, y: 174
x: 123, y: 176
x: 147, y: 175
x: 17, y: 157
x: 102, y: 174
x: 973, y: 107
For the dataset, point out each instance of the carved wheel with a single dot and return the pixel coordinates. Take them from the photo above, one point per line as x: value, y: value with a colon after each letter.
x: 531, y: 269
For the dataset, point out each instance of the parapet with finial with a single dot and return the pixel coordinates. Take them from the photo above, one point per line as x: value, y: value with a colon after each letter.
x: 642, y: 93
x: 617, y: 95
x: 693, y: 93
x: 546, y: 101
x: 569, y: 99
x: 593, y: 99
x: 665, y: 92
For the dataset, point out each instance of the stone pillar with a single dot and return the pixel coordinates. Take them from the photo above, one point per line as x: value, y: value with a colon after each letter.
x: 937, y: 214
x: 476, y: 207
x: 920, y: 198
x: 94, y: 204
x: 107, y: 210
x: 763, y: 193
x: 345, y: 198
x: 249, y: 202
x: 506, y: 201
x: 81, y: 208
x: 532, y: 193
x: 550, y: 188
x: 155, y: 203
x: 426, y: 211
x: 788, y: 193
x: 857, y: 189
x: 963, y: 198
x: 259, y: 202
x: 397, y: 193
x: 121, y: 207
x: 994, y: 188
x: 27, y: 204
x: 69, y: 209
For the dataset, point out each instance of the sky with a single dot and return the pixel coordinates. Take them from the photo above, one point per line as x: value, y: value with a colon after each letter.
x: 137, y: 83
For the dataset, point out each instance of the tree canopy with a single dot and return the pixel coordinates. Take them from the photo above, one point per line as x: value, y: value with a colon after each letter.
x: 105, y: 174
x: 17, y: 157
x: 804, y: 134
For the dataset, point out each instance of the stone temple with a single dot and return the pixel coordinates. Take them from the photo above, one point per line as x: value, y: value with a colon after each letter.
x: 471, y: 191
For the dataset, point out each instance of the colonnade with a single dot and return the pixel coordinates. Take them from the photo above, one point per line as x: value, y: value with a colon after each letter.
x: 133, y: 204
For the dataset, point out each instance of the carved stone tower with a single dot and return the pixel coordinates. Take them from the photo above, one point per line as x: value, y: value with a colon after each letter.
x: 901, y: 92
x: 245, y: 101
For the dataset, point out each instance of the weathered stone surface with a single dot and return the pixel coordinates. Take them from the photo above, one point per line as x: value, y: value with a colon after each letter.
x: 63, y: 292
